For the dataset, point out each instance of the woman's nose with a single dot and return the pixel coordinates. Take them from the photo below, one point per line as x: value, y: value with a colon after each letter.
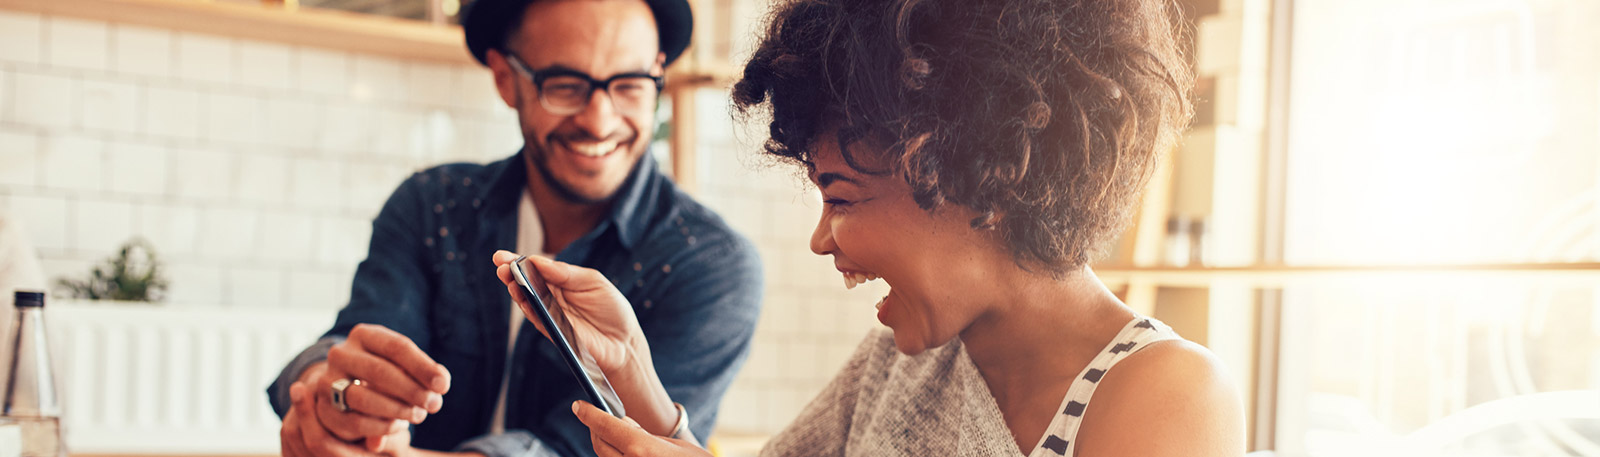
x: 822, y: 237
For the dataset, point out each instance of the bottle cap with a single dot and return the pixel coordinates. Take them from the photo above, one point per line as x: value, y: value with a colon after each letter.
x: 31, y: 298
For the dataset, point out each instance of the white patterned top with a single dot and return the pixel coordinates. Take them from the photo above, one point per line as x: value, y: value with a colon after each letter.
x: 884, y: 403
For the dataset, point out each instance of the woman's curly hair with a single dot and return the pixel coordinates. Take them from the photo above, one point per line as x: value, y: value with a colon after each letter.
x: 1044, y: 116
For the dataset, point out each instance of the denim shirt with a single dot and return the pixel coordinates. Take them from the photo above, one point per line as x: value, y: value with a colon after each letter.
x: 694, y: 283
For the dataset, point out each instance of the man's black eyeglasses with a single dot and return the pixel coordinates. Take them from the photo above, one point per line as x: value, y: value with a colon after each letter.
x: 563, y: 91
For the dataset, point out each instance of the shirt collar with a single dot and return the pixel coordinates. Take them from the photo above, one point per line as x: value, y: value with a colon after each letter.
x: 631, y: 211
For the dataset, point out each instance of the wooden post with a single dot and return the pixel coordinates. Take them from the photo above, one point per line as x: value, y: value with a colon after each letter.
x: 683, y: 139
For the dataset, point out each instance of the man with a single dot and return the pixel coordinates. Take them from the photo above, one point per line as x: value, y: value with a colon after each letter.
x: 431, y: 353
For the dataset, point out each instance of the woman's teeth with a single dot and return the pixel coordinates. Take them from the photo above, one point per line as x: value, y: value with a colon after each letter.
x: 851, y: 280
x: 593, y: 149
x: 879, y: 306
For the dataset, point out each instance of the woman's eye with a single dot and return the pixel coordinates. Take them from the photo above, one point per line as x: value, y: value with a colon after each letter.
x: 836, y: 202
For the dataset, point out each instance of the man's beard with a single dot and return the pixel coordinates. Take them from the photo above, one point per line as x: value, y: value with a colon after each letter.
x: 539, y: 157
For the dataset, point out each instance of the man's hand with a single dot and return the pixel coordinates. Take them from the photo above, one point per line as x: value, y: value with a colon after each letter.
x: 400, y: 384
x: 303, y: 436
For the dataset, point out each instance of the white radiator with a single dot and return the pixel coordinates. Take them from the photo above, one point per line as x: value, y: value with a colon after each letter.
x: 142, y: 379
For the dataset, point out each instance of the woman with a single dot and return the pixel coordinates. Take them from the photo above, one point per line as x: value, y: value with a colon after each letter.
x: 974, y: 155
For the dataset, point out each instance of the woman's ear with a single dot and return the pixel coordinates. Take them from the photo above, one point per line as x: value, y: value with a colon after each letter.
x: 505, y: 78
x: 660, y: 67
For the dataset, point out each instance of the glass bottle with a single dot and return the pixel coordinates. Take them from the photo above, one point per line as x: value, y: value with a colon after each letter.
x: 30, y: 401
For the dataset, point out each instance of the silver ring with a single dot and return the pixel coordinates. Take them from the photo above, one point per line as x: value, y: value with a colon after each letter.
x: 337, y: 389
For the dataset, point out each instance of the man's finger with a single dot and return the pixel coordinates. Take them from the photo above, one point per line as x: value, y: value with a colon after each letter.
x: 369, y: 401
x: 376, y: 443
x: 319, y: 443
x: 291, y: 442
x: 382, y: 376
x: 315, y: 438
x: 399, y: 349
x: 351, y: 426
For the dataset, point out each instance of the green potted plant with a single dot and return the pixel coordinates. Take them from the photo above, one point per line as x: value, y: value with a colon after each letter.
x: 133, y: 274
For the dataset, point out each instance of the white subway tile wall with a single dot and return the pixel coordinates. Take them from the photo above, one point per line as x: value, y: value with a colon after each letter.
x: 75, y: 43
x: 43, y: 100
x: 109, y: 105
x: 19, y: 158
x: 248, y: 165
x: 254, y: 169
x: 138, y: 168
x: 141, y: 51
x: 19, y: 37
x: 5, y: 91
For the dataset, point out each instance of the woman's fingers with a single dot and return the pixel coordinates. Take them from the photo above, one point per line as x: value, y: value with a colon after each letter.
x: 601, y: 447
x: 618, y: 432
x: 608, y: 433
x: 503, y: 257
x: 568, y: 276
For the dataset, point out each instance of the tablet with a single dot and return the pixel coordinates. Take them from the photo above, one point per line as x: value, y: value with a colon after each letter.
x: 536, y: 301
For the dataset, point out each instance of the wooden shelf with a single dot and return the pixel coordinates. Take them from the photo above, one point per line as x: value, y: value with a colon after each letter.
x: 691, y: 75
x: 1271, y: 275
x: 354, y: 32
x: 342, y: 30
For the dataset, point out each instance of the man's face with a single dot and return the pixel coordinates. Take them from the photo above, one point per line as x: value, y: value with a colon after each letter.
x: 585, y: 156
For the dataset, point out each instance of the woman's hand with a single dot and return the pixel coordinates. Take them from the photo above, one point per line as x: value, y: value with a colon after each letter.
x: 602, y: 320
x: 618, y: 437
x: 603, y: 324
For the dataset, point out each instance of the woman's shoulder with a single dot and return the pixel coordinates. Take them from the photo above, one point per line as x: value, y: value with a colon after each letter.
x: 1170, y: 363
x: 1173, y: 388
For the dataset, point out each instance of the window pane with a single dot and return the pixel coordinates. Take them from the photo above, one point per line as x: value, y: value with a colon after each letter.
x: 1463, y: 366
x: 1444, y: 132
x: 1429, y: 132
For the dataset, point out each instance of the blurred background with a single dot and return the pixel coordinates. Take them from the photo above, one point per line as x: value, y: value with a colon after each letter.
x: 1385, y: 220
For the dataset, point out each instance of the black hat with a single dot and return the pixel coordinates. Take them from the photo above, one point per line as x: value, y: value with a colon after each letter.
x: 487, y: 22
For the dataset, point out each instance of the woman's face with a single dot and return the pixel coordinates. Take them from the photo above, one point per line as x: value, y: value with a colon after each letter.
x: 937, y: 267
